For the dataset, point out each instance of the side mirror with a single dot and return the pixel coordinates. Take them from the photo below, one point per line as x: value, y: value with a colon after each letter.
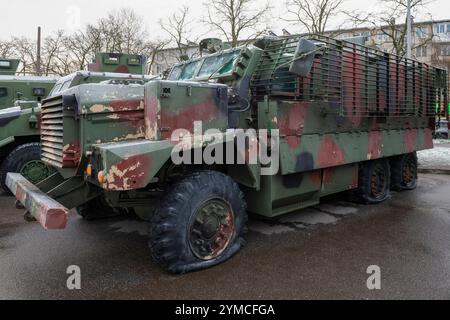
x: 303, y: 58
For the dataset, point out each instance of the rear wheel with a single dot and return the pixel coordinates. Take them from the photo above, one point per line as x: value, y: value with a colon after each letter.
x: 26, y: 160
x: 199, y: 224
x: 404, y: 172
x: 99, y: 208
x: 374, y: 182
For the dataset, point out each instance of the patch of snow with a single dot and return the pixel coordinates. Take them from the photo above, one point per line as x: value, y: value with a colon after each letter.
x: 437, y: 158
x: 338, y: 210
x: 441, y: 141
x: 309, y: 217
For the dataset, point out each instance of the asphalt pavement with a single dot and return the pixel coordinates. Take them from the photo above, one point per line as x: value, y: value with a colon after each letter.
x: 317, y: 253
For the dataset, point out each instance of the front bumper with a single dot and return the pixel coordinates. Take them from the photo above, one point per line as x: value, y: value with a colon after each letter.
x: 50, y: 214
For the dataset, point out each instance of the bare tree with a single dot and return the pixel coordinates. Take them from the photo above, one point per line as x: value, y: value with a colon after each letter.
x: 312, y: 15
x: 154, y: 49
x: 25, y: 50
x: 53, y: 48
x: 234, y: 18
x: 6, y: 49
x: 390, y: 23
x: 120, y: 31
x: 178, y: 28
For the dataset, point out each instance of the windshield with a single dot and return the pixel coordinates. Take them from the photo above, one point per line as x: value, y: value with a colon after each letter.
x: 189, y: 70
x: 213, y: 65
x: 176, y: 73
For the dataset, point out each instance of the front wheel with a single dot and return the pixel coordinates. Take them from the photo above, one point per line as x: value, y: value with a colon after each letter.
x: 26, y: 160
x: 199, y: 224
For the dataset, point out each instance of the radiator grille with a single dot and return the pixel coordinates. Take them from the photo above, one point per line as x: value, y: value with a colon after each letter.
x: 52, y: 143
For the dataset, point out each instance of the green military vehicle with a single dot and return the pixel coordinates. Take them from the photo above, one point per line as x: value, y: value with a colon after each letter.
x: 15, y: 87
x: 267, y: 128
x: 20, y: 97
x: 19, y: 125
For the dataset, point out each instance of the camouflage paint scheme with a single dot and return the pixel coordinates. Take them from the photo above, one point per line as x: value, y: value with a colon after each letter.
x: 329, y: 121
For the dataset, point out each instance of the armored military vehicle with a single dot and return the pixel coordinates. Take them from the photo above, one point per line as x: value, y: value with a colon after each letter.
x: 319, y: 116
x: 15, y: 87
x: 19, y: 125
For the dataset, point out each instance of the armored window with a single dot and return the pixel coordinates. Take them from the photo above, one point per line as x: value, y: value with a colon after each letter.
x: 56, y: 88
x: 189, y: 70
x: 3, y: 92
x: 212, y: 64
x: 176, y: 73
x: 111, y: 60
x: 66, y: 85
x: 38, y: 92
x: 134, y: 61
x: 5, y: 64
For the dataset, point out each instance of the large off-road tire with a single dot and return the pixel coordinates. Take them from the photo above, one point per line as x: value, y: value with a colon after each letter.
x: 404, y: 172
x: 374, y: 182
x: 97, y: 209
x: 26, y: 160
x: 199, y: 223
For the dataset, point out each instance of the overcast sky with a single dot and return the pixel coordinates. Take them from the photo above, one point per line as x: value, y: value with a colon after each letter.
x: 24, y: 15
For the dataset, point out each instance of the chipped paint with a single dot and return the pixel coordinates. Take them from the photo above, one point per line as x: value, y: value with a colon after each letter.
x: 128, y: 174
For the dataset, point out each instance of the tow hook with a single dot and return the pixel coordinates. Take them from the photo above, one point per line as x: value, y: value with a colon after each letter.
x: 28, y: 217
x: 19, y: 205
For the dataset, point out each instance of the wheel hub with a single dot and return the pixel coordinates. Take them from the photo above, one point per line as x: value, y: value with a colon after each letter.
x: 35, y: 171
x: 212, y: 229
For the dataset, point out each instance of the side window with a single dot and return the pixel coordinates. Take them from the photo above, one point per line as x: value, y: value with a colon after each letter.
x: 3, y: 92
x: 66, y: 85
x: 56, y: 89
x: 176, y: 73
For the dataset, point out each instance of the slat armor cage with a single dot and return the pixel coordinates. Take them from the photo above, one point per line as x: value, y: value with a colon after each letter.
x: 351, y: 79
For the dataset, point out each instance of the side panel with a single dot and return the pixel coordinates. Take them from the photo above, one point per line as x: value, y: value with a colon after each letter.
x: 311, y: 140
x: 171, y: 106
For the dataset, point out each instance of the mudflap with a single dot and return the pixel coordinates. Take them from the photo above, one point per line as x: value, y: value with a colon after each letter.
x: 48, y: 212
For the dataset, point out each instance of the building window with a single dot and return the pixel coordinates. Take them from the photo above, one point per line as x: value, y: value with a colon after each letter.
x: 441, y: 28
x: 381, y: 36
x: 422, y: 33
x: 343, y: 36
x: 362, y: 34
x: 421, y: 52
x: 445, y: 50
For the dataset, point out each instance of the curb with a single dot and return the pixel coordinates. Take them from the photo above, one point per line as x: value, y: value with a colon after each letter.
x: 434, y: 171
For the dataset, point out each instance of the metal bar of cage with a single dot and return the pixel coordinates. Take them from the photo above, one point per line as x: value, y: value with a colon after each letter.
x: 351, y: 79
